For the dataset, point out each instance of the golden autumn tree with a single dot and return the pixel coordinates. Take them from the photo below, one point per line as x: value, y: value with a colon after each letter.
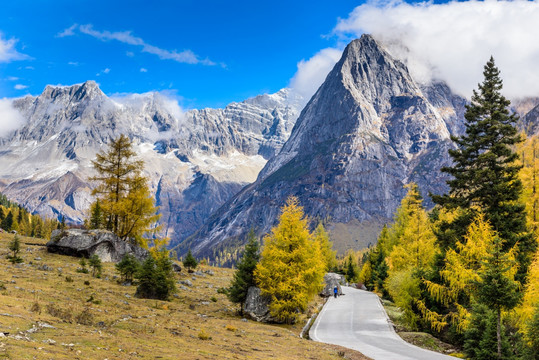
x: 122, y: 193
x: 291, y: 268
x: 412, y: 250
x: 529, y: 175
x: 328, y: 254
x: 528, y: 311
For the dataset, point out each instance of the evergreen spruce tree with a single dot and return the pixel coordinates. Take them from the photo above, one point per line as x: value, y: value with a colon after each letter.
x: 244, y: 275
x: 128, y: 267
x: 7, y: 223
x: 352, y: 273
x: 496, y: 287
x: 485, y: 173
x: 96, y: 216
x: 190, y: 262
x: 156, y: 279
x: 96, y: 265
x: 15, y: 247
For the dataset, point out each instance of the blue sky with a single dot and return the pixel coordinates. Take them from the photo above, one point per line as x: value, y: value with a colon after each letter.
x: 210, y: 53
x: 235, y: 49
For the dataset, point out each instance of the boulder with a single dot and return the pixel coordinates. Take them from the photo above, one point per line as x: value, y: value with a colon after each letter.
x: 257, y: 306
x: 85, y: 243
x: 330, y: 281
x: 176, y: 267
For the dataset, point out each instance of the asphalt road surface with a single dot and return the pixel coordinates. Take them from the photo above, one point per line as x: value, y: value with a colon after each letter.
x: 358, y: 321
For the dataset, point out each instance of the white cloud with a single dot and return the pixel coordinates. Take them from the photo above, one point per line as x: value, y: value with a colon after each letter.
x: 12, y: 78
x: 312, y: 73
x: 70, y: 31
x: 20, y: 87
x: 8, y: 52
x: 73, y: 63
x: 104, y: 71
x: 453, y: 41
x: 10, y: 118
x: 130, y: 53
x: 143, y: 70
x: 126, y: 37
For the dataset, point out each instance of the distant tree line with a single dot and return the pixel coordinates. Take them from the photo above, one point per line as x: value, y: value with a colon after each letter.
x: 14, y: 217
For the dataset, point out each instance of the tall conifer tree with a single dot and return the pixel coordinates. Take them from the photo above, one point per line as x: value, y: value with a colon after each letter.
x: 485, y: 173
x: 244, y: 275
x: 123, y: 196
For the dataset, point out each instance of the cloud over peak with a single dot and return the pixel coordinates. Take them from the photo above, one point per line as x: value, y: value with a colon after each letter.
x: 452, y: 41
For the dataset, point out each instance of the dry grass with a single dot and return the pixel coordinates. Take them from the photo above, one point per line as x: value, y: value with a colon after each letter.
x: 46, y: 316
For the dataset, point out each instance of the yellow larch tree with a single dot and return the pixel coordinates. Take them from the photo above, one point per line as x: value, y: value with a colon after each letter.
x: 412, y: 252
x: 328, y: 254
x: 291, y: 268
x: 122, y: 193
x: 529, y: 175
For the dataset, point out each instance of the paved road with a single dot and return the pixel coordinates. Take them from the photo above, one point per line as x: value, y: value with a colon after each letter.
x: 358, y: 321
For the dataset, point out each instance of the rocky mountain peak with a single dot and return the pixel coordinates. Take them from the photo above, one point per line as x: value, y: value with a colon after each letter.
x: 366, y: 132
x: 367, y: 94
x: 88, y: 90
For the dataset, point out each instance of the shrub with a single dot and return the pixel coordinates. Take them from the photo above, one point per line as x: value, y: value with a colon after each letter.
x: 203, y: 335
x: 86, y: 282
x: 66, y: 314
x: 36, y: 307
x: 85, y: 317
x: 231, y: 327
x: 69, y: 279
x: 213, y: 298
x: 83, y: 269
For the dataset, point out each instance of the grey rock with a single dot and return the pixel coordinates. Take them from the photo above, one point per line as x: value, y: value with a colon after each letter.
x: 45, y: 267
x: 103, y: 243
x: 184, y: 287
x: 176, y: 267
x: 330, y: 281
x: 186, y: 282
x: 257, y: 306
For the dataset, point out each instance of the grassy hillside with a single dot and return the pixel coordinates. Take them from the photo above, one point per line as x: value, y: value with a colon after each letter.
x: 50, y: 311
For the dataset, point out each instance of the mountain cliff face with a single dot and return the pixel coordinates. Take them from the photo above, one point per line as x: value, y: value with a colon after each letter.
x: 368, y: 130
x: 195, y: 160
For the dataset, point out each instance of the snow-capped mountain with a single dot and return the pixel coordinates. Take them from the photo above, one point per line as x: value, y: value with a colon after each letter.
x: 196, y: 160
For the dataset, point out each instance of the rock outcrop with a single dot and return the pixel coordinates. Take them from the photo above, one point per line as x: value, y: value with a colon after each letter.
x: 256, y: 306
x: 85, y: 243
x: 330, y: 281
